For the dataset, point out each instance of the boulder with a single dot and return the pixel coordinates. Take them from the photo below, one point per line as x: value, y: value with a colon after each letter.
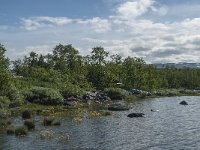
x: 89, y: 96
x: 131, y: 115
x: 97, y: 95
x: 183, y: 103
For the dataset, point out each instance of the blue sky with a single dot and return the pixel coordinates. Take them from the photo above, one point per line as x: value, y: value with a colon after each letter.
x: 157, y: 30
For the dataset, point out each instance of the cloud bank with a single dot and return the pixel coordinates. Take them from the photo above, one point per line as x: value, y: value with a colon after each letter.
x: 127, y: 31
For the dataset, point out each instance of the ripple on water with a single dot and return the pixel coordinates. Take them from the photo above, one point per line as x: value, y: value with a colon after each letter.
x: 173, y: 127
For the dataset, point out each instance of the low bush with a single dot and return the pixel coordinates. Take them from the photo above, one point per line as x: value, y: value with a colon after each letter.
x: 4, y: 102
x: 71, y: 90
x: 115, y: 93
x: 44, y: 96
x: 4, y: 113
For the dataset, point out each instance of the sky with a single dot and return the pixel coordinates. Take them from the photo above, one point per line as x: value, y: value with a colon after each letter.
x: 159, y: 31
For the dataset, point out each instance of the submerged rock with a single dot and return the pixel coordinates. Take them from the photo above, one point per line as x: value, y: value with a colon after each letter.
x: 131, y: 115
x: 154, y: 110
x: 183, y: 103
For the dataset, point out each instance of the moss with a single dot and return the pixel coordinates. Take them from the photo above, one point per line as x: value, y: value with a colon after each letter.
x: 30, y: 124
x: 21, y: 131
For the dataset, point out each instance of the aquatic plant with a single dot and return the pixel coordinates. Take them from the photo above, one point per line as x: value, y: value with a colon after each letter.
x: 21, y: 131
x: 30, y: 124
x: 45, y: 134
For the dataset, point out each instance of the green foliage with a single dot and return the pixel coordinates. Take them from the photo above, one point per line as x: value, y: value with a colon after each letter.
x: 99, y: 55
x: 5, y: 76
x: 45, y: 96
x: 4, y: 102
x: 65, y: 69
x: 116, y: 93
x: 71, y: 90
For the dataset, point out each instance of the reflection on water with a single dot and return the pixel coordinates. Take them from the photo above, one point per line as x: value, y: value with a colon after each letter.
x: 173, y: 127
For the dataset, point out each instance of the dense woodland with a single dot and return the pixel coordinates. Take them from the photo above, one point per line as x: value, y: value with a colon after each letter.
x: 71, y: 73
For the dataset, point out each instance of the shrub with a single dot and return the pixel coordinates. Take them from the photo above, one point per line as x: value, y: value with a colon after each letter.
x: 4, y: 114
x: 115, y: 93
x: 44, y: 96
x: 16, y: 98
x: 4, y: 122
x: 71, y: 90
x: 4, y: 102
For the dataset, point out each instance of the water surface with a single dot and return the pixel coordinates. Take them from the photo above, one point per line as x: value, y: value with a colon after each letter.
x: 174, y: 126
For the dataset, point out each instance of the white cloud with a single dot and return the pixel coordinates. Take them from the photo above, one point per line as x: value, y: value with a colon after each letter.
x: 97, y: 24
x: 34, y: 23
x: 134, y: 8
x: 126, y: 32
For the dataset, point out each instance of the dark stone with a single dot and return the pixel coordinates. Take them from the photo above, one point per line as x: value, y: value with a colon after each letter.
x: 96, y: 95
x: 72, y: 98
x: 131, y: 115
x: 183, y: 103
x: 154, y: 110
x: 26, y: 114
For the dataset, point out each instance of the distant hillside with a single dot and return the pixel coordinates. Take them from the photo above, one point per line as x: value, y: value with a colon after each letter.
x: 178, y: 65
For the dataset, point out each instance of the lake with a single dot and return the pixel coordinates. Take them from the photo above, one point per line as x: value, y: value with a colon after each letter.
x: 174, y: 126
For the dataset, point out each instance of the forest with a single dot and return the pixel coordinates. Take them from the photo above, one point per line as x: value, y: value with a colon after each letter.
x: 64, y: 72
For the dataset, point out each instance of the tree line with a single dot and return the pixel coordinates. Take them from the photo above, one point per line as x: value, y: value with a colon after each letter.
x: 65, y: 68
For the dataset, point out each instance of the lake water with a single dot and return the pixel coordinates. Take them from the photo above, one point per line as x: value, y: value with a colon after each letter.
x: 174, y: 126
